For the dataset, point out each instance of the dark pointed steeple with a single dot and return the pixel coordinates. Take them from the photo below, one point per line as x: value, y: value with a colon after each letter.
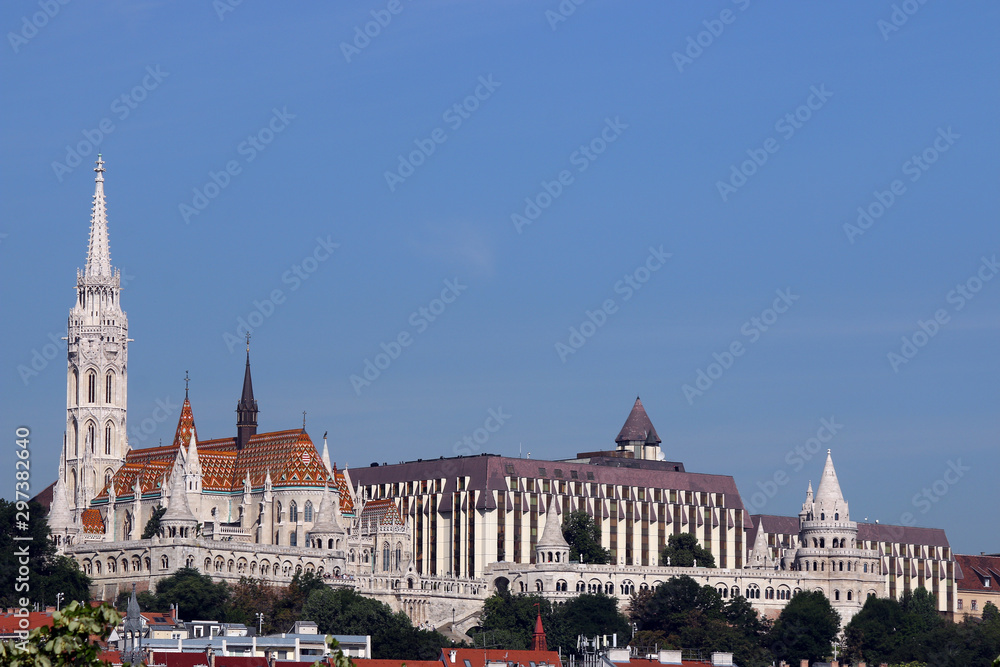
x: 637, y: 429
x: 246, y: 409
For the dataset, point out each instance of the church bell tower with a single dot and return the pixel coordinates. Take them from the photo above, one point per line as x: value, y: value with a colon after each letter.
x: 95, y: 442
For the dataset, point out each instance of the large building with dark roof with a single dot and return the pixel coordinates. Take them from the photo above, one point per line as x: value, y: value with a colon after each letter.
x: 432, y: 537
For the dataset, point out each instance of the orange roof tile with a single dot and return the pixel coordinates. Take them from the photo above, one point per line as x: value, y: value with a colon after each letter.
x: 92, y: 521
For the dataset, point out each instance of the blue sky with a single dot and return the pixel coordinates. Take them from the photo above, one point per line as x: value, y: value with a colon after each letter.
x: 624, y: 125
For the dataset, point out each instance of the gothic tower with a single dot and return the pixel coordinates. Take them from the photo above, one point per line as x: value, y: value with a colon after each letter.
x: 97, y: 380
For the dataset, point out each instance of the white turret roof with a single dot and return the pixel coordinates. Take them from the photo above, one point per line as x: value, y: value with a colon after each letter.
x: 552, y: 535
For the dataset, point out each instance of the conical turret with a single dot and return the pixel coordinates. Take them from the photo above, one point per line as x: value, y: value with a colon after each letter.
x: 638, y: 434
x: 552, y: 546
x: 178, y: 520
x: 829, y: 501
x: 246, y: 409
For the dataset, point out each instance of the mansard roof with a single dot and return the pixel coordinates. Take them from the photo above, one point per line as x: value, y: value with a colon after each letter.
x: 489, y: 472
x: 638, y: 427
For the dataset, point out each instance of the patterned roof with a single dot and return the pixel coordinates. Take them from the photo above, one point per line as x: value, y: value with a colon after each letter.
x: 185, y: 425
x: 290, y: 456
x: 346, y: 499
x: 382, y: 512
x: 92, y: 521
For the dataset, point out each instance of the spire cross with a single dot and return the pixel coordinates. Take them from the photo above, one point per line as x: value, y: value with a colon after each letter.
x: 303, y: 420
x: 248, y: 341
x: 187, y: 380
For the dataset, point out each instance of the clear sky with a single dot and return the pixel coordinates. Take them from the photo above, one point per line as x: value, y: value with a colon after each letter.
x: 680, y: 171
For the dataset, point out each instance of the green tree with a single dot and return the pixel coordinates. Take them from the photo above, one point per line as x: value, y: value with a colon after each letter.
x: 194, y: 593
x: 584, y: 539
x: 67, y: 642
x: 48, y: 574
x: 588, y: 614
x: 683, y: 550
x: 153, y: 525
x: 990, y: 613
x: 509, y: 620
x: 344, y: 611
x: 805, y: 629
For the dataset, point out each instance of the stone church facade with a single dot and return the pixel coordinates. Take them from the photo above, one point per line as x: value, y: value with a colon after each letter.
x: 434, y: 537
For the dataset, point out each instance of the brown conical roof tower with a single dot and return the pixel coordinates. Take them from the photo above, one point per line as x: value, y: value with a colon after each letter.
x: 638, y: 434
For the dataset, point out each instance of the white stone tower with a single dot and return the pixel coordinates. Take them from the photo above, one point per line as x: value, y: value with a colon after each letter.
x: 97, y: 379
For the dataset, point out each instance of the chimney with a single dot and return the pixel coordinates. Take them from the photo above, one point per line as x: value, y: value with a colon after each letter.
x: 210, y: 654
x: 803, y: 663
x: 451, y: 655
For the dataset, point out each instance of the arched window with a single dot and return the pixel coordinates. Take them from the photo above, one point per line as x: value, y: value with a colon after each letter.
x: 293, y: 539
x: 91, y: 387
x: 385, y: 556
x: 399, y: 555
x: 108, y: 438
x: 277, y: 512
x: 866, y: 567
x: 836, y: 516
x: 609, y: 588
x: 107, y: 477
x: 841, y: 566
x: 307, y: 513
x: 108, y: 388
x: 849, y: 596
x: 91, y: 435
x: 836, y: 595
x: 293, y: 511
x: 735, y: 591
x: 76, y: 387
x: 538, y: 586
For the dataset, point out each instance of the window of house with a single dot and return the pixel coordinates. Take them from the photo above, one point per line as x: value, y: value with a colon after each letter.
x: 973, y: 605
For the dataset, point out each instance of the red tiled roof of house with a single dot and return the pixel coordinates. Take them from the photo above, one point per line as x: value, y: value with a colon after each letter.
x: 974, y: 572
x: 9, y: 624
x: 372, y: 662
x: 477, y: 657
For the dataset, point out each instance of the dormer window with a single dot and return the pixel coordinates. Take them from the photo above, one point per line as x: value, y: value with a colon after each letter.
x: 986, y: 582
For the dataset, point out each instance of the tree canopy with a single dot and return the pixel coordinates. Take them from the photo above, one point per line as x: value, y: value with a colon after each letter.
x: 67, y: 642
x: 49, y: 574
x: 343, y: 611
x: 684, y: 550
x: 584, y: 539
x: 509, y: 620
x: 805, y: 629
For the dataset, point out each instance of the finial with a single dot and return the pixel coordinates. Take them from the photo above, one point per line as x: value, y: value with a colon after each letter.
x: 187, y: 380
x: 303, y: 420
x: 248, y: 342
x: 99, y: 168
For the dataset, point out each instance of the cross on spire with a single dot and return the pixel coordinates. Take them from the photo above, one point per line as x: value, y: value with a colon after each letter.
x: 187, y: 380
x: 248, y: 341
x: 303, y: 420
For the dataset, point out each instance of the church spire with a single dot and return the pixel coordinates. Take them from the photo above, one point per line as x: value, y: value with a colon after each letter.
x: 246, y: 409
x: 98, y: 253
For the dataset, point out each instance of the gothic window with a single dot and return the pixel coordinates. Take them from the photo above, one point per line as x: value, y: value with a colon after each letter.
x: 841, y: 566
x: 293, y: 539
x: 307, y: 514
x: 277, y: 511
x: 107, y: 477
x: 293, y: 511
x: 836, y: 516
x: 836, y: 595
x: 849, y: 596
x: 108, y: 437
x: 399, y: 555
x: 108, y: 385
x: 91, y: 387
x: 581, y: 587
x: 385, y: 556
x: 735, y: 591
x: 769, y: 593
x: 90, y: 435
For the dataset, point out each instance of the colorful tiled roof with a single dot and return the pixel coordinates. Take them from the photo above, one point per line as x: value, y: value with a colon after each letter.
x: 346, y: 499
x: 185, y: 425
x: 92, y: 521
x: 382, y: 512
